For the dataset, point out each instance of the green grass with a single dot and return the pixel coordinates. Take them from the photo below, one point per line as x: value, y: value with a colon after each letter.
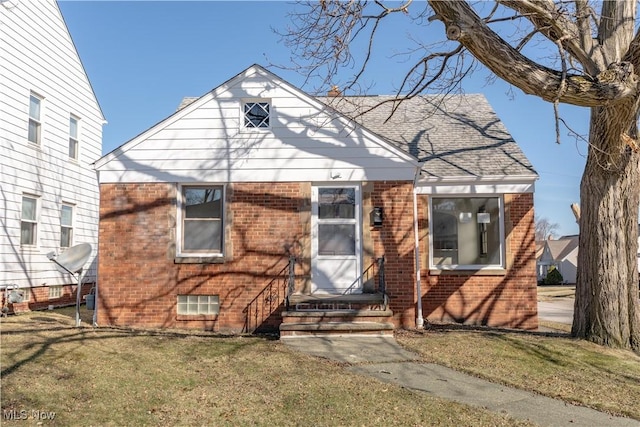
x: 109, y: 376
x: 553, y: 365
x: 120, y: 377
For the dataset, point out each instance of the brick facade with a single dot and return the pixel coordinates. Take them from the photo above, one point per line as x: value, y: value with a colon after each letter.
x: 37, y: 298
x: 140, y: 277
x: 395, y: 240
x: 500, y: 299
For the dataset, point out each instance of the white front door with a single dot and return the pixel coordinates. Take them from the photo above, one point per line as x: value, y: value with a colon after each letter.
x: 335, y: 243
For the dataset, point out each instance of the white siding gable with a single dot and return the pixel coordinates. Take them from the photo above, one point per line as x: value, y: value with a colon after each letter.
x: 206, y: 141
x: 38, y: 56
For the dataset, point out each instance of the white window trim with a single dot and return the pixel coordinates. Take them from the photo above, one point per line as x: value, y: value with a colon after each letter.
x: 72, y: 226
x: 36, y: 221
x: 77, y: 137
x: 180, y: 203
x: 55, y: 291
x: 465, y: 267
x: 355, y: 221
x: 244, y: 128
x: 38, y: 143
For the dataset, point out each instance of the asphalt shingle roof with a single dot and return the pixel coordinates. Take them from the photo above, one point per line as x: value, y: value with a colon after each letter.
x: 460, y: 136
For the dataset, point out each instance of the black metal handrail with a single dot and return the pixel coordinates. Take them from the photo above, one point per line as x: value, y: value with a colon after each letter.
x: 270, y: 299
x: 382, y: 284
x: 369, y: 274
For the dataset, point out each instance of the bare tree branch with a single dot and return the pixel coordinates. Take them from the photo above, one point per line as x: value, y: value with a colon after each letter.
x: 464, y: 25
x: 554, y: 24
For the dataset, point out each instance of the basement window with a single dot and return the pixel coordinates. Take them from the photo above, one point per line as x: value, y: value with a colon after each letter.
x: 198, y: 304
x: 55, y: 292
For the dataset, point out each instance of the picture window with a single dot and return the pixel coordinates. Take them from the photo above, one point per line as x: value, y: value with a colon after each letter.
x: 466, y: 232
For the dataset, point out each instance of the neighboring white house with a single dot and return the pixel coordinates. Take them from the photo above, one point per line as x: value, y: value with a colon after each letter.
x: 561, y: 254
x: 50, y: 133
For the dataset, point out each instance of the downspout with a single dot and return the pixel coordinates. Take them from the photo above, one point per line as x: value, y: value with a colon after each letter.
x: 94, y: 319
x: 419, y: 319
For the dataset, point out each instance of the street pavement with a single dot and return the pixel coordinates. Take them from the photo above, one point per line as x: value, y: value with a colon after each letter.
x: 558, y: 310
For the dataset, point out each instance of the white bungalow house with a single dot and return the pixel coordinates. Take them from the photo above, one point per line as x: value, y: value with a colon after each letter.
x: 50, y: 133
x: 561, y: 254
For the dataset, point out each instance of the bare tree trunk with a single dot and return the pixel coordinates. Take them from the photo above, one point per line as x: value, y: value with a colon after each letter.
x: 607, y: 304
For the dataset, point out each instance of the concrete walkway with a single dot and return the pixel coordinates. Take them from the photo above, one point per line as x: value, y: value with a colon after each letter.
x: 383, y: 358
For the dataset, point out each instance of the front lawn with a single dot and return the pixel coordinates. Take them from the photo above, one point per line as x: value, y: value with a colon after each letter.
x: 552, y: 364
x: 106, y: 376
x: 111, y: 376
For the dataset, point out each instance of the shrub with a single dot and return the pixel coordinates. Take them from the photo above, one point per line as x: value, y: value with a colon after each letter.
x: 554, y: 277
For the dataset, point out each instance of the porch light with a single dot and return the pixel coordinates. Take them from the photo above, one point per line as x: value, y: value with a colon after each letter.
x: 377, y: 216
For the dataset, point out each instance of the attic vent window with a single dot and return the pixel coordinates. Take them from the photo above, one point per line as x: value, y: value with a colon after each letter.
x: 256, y: 115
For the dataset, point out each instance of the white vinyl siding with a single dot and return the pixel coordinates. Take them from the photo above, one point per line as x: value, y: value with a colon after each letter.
x: 306, y: 141
x: 37, y: 57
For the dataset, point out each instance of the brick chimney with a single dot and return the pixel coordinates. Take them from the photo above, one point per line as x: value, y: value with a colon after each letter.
x: 334, y: 92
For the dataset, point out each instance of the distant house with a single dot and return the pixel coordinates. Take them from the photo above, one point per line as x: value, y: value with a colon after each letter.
x: 561, y: 254
x: 257, y: 206
x: 50, y: 133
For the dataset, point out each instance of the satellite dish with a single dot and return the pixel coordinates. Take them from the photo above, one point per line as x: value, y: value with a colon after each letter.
x: 73, y: 259
x: 15, y: 296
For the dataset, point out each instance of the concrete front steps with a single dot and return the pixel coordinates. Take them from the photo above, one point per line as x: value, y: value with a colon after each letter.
x: 337, y: 315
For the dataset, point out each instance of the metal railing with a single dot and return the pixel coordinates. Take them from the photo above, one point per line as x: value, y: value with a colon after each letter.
x: 382, y: 284
x: 260, y: 312
x: 368, y: 275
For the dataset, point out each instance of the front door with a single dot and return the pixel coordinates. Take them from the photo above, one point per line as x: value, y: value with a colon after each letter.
x: 336, y: 243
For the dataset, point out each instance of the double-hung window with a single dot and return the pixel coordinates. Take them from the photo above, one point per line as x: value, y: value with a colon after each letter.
x: 35, y: 125
x: 73, y: 137
x: 256, y: 114
x: 201, y: 211
x: 29, y: 221
x: 467, y: 232
x: 66, y: 226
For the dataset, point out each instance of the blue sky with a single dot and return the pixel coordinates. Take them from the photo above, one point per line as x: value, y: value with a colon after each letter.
x: 143, y: 57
